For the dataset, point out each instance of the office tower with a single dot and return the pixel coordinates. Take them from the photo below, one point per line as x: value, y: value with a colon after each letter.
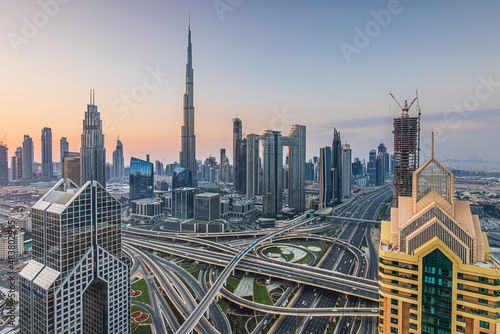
x: 187, y: 156
x: 64, y: 146
x: 325, y: 176
x: 28, y: 154
x: 337, y: 165
x: 309, y: 171
x: 158, y: 167
x: 436, y: 270
x: 183, y: 203
x: 391, y: 164
x: 272, y: 183
x: 239, y: 158
x: 386, y: 159
x: 357, y: 168
x: 118, y: 163
x: 92, y: 151
x: 79, y: 279
x: 296, y: 142
x: 182, y: 178
x: 71, y: 167
x: 346, y: 170
x: 406, y: 153
x: 47, y: 171
x: 141, y: 179
x: 207, y: 207
x: 16, y: 165
x: 372, y: 168
x: 4, y: 165
x: 252, y: 165
x: 379, y: 170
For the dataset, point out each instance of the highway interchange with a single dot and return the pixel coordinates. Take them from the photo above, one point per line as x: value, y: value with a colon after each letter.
x: 343, y: 271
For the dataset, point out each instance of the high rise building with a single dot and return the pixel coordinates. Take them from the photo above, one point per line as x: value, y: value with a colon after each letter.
x: 309, y: 171
x: 436, y: 271
x: 239, y: 158
x: 183, y: 203
x: 71, y: 167
x: 4, y: 165
x: 406, y: 153
x: 118, y: 163
x: 372, y: 168
x: 187, y: 156
x: 158, y: 167
x: 28, y: 157
x: 272, y: 183
x: 92, y: 151
x: 346, y: 170
x: 357, y: 168
x: 47, y: 167
x: 296, y: 181
x: 207, y: 207
x: 337, y: 165
x: 141, y: 179
x: 182, y: 178
x: 325, y: 176
x: 252, y: 165
x: 64, y: 147
x: 79, y: 279
x: 16, y: 166
x: 385, y: 160
x: 380, y: 169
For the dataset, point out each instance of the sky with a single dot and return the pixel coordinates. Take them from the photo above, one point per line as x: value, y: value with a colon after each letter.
x: 271, y: 63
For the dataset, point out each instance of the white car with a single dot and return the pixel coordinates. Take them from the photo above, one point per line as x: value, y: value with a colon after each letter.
x: 335, y: 310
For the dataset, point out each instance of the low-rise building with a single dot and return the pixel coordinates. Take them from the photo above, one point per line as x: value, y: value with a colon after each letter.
x: 11, y: 242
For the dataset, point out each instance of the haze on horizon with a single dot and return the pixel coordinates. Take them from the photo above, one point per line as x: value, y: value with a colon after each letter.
x: 272, y: 64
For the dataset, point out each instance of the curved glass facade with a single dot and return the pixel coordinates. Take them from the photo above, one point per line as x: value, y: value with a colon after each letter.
x: 182, y: 178
x: 141, y: 179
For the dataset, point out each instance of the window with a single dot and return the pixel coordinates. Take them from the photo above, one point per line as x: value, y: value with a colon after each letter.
x: 483, y: 290
x: 483, y: 279
x: 394, y: 311
x: 482, y: 301
x: 484, y: 324
x: 395, y: 302
x: 394, y: 330
x: 460, y: 275
x: 394, y: 321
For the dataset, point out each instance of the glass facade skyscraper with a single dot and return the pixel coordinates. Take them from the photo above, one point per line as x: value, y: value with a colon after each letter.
x: 141, y: 179
x: 181, y: 178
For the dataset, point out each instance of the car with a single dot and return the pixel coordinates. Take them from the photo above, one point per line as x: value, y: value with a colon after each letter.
x: 335, y: 310
x: 375, y: 311
x: 355, y: 289
x: 355, y: 310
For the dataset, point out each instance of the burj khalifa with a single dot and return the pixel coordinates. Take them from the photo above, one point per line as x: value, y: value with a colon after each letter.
x: 187, y: 155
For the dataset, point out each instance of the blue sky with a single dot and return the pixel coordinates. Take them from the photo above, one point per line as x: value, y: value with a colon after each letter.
x: 271, y: 63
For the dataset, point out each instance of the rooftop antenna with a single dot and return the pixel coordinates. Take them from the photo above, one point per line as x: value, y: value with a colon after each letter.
x: 93, y: 97
x: 418, y: 138
x: 432, y: 145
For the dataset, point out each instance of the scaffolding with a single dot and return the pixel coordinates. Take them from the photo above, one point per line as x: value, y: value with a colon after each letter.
x: 406, y: 151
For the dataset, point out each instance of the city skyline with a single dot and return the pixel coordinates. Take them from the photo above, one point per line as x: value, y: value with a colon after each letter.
x: 227, y: 88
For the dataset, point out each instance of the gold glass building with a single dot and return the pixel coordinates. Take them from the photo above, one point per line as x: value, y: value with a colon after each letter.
x: 436, y: 271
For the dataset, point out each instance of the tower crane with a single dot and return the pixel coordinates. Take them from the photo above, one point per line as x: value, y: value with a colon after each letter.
x: 407, y: 107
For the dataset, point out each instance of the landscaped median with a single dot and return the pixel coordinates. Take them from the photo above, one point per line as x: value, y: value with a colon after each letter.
x: 141, y: 320
x: 139, y: 292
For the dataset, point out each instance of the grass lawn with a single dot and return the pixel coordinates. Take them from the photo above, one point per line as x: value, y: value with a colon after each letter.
x: 223, y: 304
x: 135, y: 308
x: 232, y: 283
x: 143, y: 330
x: 306, y: 259
x: 141, y: 285
x: 341, y: 303
x: 260, y: 294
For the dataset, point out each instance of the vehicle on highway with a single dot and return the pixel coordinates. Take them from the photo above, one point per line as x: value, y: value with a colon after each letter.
x: 335, y: 310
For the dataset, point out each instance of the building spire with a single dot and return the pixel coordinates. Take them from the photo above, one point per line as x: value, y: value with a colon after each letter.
x: 432, y: 145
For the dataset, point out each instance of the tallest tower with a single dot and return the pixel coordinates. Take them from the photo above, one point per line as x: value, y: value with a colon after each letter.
x: 187, y: 156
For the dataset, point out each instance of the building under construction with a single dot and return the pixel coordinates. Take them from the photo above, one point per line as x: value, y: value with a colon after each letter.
x: 406, y: 151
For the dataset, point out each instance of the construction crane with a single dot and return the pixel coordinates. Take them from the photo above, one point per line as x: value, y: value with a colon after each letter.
x: 1, y: 141
x: 407, y: 107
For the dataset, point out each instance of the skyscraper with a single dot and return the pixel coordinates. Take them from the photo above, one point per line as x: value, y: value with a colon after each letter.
x: 187, y: 156
x: 436, y: 270
x: 28, y: 154
x: 406, y: 153
x: 64, y: 145
x: 16, y: 166
x: 4, y: 165
x: 79, y: 279
x: 252, y: 165
x: 337, y: 166
x: 71, y: 167
x: 141, y: 179
x: 47, y: 171
x: 272, y: 183
x: 92, y: 151
x: 239, y: 158
x: 183, y: 203
x: 325, y: 176
x: 118, y: 162
x: 372, y: 168
x: 346, y: 170
x: 385, y: 160
x: 181, y: 178
x: 296, y: 142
